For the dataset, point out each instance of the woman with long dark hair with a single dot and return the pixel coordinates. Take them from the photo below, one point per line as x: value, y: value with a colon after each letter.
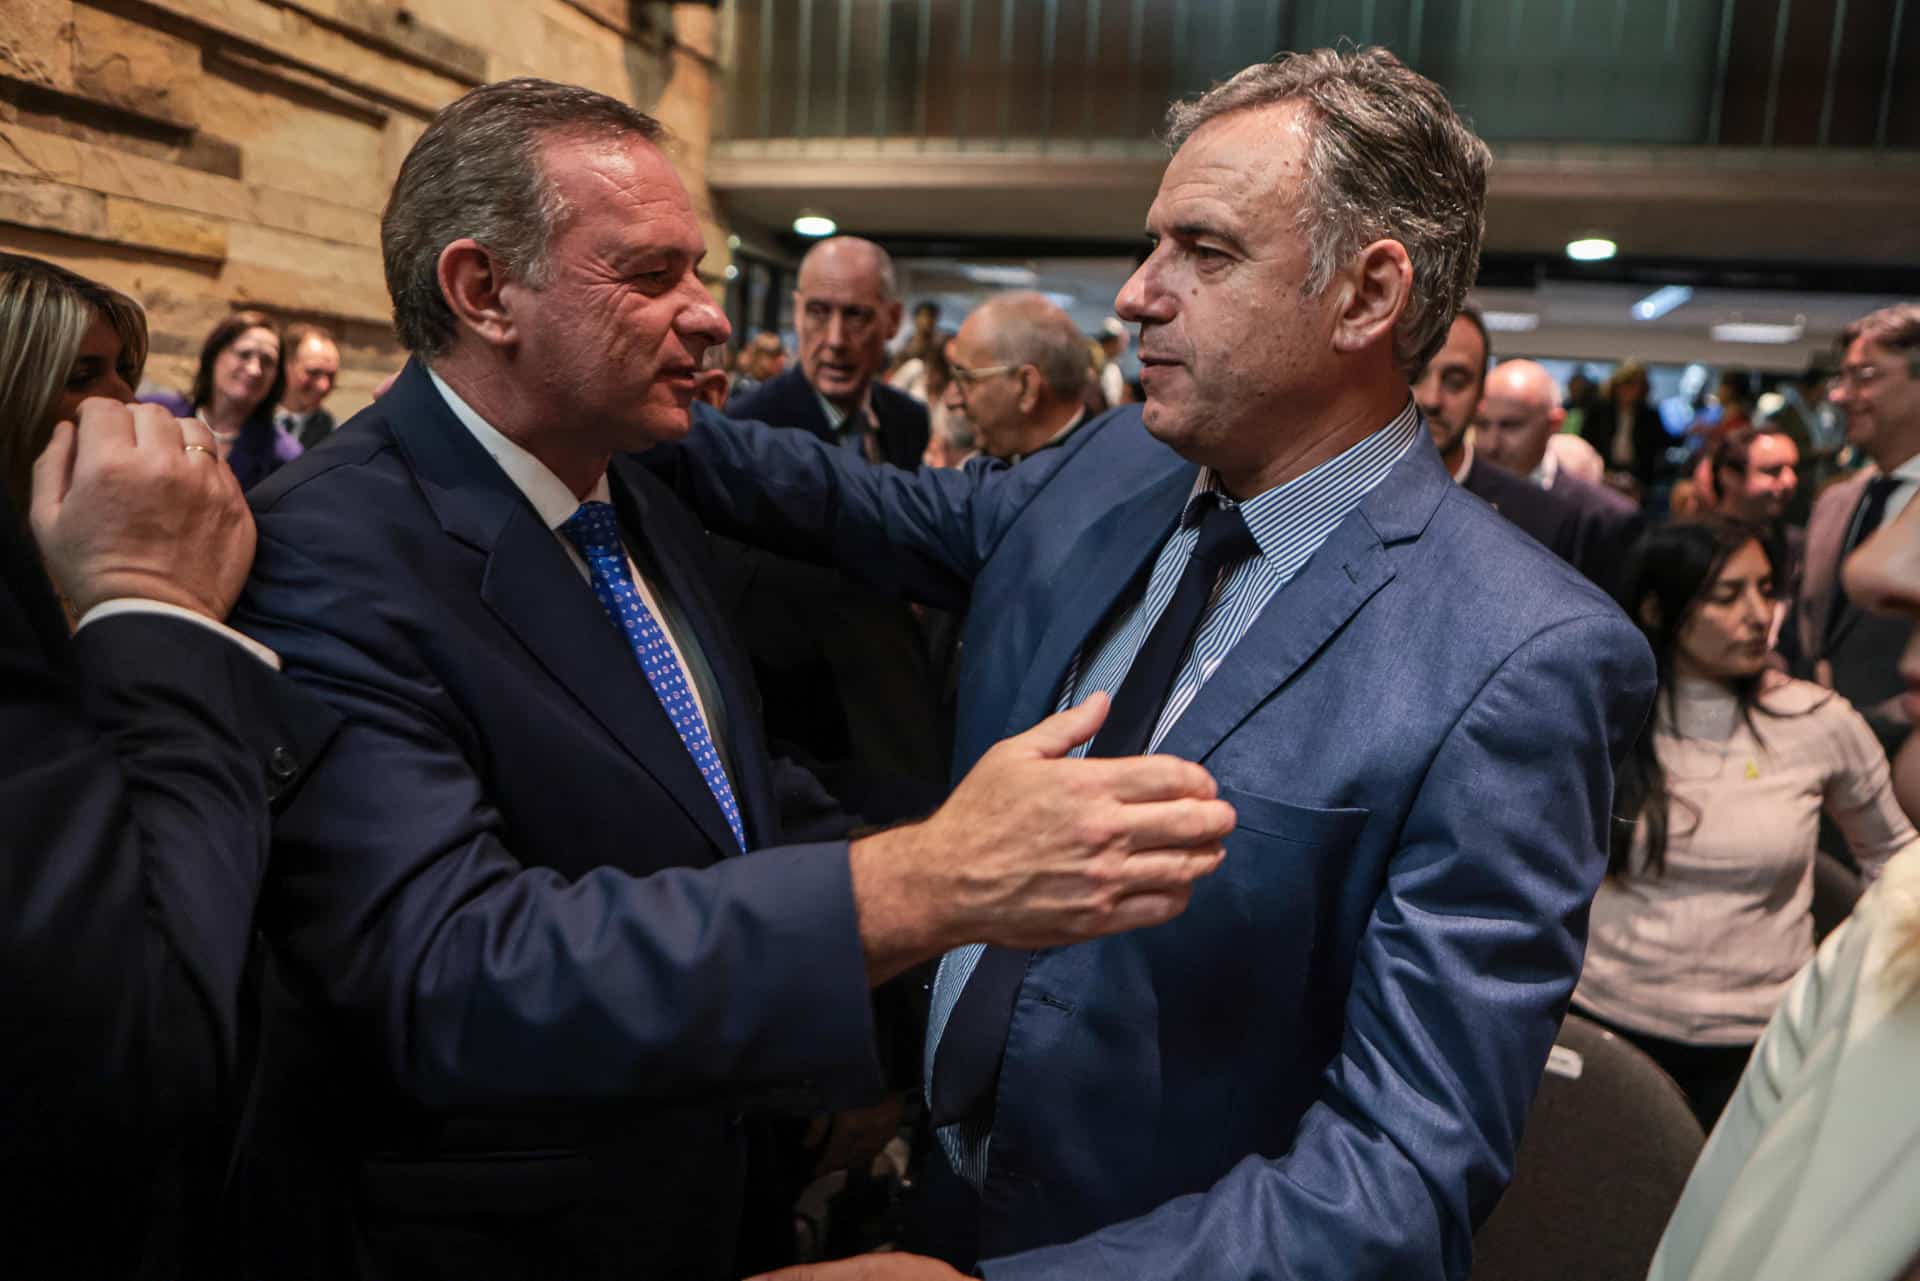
x: 1705, y: 914
x: 238, y: 383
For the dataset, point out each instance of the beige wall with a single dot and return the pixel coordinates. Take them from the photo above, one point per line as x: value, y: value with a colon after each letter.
x: 207, y: 154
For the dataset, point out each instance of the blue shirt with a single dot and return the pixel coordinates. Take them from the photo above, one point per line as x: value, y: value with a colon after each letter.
x: 1289, y: 523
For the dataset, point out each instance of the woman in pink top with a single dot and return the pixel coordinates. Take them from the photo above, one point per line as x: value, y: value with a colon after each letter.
x: 1705, y: 915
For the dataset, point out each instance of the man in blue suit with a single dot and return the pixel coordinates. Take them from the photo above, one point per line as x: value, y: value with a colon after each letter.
x: 536, y: 960
x: 1322, y: 1068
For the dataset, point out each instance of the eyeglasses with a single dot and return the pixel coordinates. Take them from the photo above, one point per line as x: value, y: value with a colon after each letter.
x: 1857, y: 376
x: 965, y: 378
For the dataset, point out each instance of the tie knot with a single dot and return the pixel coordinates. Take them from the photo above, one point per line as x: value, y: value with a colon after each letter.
x: 1224, y: 536
x: 593, y: 529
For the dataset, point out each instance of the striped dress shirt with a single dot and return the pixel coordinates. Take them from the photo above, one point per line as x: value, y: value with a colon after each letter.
x: 1289, y: 523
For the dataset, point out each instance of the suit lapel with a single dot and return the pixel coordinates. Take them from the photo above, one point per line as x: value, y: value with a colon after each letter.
x: 634, y: 499
x: 1113, y: 552
x: 535, y: 591
x: 1315, y: 604
x: 1833, y: 630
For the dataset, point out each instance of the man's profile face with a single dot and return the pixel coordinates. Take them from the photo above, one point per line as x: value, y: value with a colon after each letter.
x: 1760, y: 494
x: 1511, y: 429
x: 310, y: 374
x: 1448, y: 389
x: 1879, y: 391
x: 989, y: 401
x: 615, y: 337
x: 844, y: 321
x: 1228, y: 343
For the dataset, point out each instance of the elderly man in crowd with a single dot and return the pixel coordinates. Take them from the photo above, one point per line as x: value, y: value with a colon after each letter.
x: 313, y: 363
x: 1019, y: 371
x: 843, y: 669
x: 1519, y: 413
x: 536, y: 956
x: 1322, y: 1068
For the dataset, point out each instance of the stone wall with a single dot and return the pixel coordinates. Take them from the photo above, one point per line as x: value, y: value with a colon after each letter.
x: 208, y: 154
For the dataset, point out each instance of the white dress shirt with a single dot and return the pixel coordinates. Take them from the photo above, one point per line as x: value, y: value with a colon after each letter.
x: 555, y: 503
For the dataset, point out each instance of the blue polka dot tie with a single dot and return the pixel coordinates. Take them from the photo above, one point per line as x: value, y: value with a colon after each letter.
x: 596, y: 533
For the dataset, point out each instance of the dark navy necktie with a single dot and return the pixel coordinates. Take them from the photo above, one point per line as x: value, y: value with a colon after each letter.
x: 1873, y: 511
x: 966, y: 1068
x: 595, y: 531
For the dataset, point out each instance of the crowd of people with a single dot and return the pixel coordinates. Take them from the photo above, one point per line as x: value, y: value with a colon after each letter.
x: 556, y: 821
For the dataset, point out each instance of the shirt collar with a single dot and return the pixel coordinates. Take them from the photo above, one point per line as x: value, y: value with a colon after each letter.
x: 1907, y: 472
x: 1301, y: 513
x: 547, y: 492
x: 836, y: 416
x: 1466, y: 460
x: 1547, y: 472
x: 1054, y: 439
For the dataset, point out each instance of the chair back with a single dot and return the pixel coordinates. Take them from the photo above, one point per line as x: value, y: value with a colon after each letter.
x: 1607, y: 1150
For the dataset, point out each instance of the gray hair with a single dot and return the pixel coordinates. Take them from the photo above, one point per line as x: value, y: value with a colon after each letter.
x: 1388, y: 159
x: 476, y: 173
x: 1027, y: 329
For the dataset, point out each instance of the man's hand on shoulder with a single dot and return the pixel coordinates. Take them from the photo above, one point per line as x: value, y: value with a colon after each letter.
x: 1037, y: 850
x: 134, y: 503
x: 869, y: 1267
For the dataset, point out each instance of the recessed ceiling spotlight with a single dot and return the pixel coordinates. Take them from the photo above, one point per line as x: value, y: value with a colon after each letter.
x: 814, y: 225
x: 1591, y: 249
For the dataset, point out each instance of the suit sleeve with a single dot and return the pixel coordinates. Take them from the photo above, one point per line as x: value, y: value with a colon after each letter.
x: 922, y: 534
x: 142, y: 762
x: 1463, y: 975
x: 401, y: 902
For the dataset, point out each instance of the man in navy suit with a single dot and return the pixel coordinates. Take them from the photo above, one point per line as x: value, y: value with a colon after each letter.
x: 1519, y: 410
x: 1448, y: 393
x: 530, y: 975
x: 1323, y: 1066
x: 843, y: 669
x: 144, y: 753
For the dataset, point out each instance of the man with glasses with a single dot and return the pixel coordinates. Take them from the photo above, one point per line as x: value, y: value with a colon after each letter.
x: 1019, y: 371
x: 1829, y: 638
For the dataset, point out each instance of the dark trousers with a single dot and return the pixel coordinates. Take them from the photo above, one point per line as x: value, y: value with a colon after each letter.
x: 1706, y: 1074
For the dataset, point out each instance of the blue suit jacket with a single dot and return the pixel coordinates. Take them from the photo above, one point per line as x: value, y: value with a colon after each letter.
x: 1322, y: 1067
x: 527, y: 989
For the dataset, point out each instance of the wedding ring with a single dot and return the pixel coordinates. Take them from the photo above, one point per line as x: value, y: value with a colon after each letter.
x: 202, y: 448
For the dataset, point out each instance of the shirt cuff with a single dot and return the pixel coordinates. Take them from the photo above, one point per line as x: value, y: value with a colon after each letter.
x: 135, y: 605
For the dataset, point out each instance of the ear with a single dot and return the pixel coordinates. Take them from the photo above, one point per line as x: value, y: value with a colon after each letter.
x: 1649, y: 611
x: 1373, y: 292
x: 474, y: 286
x: 1029, y: 377
x: 890, y: 319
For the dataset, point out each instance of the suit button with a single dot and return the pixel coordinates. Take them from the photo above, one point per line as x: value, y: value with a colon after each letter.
x: 282, y: 765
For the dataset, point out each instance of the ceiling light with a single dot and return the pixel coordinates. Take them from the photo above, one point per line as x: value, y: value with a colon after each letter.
x: 1004, y: 277
x: 1510, y: 322
x: 814, y: 225
x: 1591, y: 249
x: 1752, y: 331
x: 1661, y: 301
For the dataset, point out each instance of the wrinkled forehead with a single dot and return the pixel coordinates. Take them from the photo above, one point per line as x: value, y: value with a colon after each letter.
x: 844, y: 280
x: 619, y: 190
x: 1241, y: 164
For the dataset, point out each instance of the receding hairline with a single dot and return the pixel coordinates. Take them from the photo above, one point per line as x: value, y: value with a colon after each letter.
x: 876, y: 261
x: 1524, y: 377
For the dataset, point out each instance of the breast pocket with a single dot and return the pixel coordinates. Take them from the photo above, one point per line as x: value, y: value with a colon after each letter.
x: 1286, y: 863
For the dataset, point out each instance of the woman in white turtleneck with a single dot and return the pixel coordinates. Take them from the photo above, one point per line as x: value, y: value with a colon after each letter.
x: 1705, y: 914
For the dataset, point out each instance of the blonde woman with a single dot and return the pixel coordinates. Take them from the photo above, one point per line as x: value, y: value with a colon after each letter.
x: 63, y: 338
x: 1814, y: 1169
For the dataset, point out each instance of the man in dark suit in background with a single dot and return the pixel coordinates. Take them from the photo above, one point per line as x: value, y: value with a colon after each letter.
x: 313, y: 363
x: 1519, y: 410
x: 1448, y: 393
x: 1828, y: 637
x: 843, y: 668
x: 142, y: 755
x: 533, y: 974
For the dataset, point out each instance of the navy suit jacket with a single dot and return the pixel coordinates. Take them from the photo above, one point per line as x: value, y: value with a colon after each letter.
x: 789, y: 400
x: 531, y: 987
x: 1322, y: 1067
x: 142, y: 756
x: 1607, y: 526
